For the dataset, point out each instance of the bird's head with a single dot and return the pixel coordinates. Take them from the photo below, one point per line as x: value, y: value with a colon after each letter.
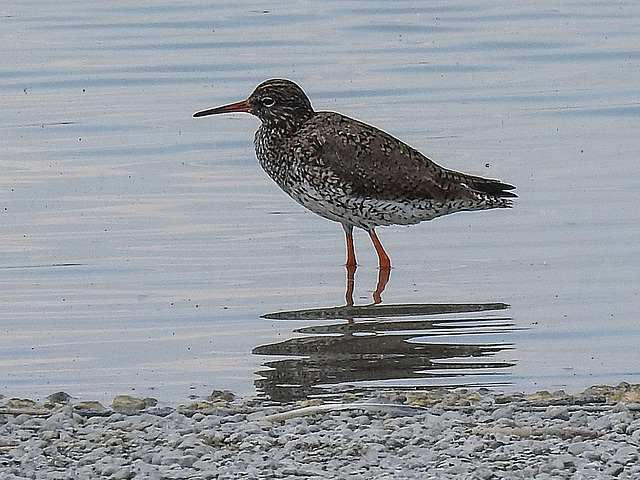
x: 279, y: 103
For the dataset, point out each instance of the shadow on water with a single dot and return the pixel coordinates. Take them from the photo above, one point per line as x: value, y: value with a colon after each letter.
x: 400, y: 345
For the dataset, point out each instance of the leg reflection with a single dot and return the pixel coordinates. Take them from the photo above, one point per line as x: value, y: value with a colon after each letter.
x: 383, y: 279
x: 351, y: 273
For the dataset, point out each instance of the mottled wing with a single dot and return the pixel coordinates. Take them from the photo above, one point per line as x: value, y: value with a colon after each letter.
x: 376, y: 164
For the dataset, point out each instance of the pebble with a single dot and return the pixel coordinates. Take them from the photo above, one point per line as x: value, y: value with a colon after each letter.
x: 484, y: 436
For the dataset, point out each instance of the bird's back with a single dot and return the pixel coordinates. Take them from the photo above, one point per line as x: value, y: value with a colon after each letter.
x: 376, y: 164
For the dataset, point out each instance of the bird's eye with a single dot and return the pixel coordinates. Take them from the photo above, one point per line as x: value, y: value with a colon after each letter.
x: 268, y: 102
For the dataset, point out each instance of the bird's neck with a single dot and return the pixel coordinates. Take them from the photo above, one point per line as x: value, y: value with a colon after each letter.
x: 270, y: 144
x: 268, y: 140
x: 287, y: 124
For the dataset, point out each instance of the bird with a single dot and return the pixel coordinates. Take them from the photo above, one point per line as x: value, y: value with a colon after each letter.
x: 354, y: 173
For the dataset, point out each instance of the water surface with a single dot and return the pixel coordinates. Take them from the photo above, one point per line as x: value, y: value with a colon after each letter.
x: 140, y: 247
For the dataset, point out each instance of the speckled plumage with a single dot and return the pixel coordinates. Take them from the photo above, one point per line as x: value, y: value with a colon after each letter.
x: 351, y: 172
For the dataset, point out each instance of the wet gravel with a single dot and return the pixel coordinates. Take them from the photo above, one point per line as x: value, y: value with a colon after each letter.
x: 435, y: 435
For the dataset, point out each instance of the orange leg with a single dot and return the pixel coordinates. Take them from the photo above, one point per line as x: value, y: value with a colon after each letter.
x: 351, y: 252
x: 385, y: 263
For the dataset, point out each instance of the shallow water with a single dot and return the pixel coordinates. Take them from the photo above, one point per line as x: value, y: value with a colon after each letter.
x: 140, y: 247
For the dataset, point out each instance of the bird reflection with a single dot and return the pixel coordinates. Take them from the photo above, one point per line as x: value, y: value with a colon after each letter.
x: 376, y: 348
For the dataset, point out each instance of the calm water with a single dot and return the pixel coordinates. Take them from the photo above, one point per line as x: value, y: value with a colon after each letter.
x: 139, y: 247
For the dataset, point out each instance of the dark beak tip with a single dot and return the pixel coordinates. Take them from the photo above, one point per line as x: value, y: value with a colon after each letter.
x: 204, y: 113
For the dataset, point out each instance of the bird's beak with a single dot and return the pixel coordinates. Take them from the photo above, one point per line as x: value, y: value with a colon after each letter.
x: 242, y: 106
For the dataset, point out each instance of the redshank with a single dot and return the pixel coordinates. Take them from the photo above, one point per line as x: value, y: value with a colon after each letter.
x: 354, y: 173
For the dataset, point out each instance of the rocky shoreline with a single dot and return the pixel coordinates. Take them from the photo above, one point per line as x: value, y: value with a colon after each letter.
x: 437, y: 434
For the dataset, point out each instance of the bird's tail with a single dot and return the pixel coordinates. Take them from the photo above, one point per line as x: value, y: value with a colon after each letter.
x: 487, y: 186
x: 494, y: 188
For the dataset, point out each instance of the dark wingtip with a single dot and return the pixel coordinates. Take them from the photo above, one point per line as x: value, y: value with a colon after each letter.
x: 505, y: 193
x: 496, y: 189
x: 505, y: 190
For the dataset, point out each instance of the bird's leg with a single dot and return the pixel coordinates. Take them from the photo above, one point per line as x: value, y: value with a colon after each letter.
x: 351, y: 252
x: 385, y: 263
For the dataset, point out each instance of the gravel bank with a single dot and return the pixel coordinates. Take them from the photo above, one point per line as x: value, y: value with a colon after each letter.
x: 434, y: 435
